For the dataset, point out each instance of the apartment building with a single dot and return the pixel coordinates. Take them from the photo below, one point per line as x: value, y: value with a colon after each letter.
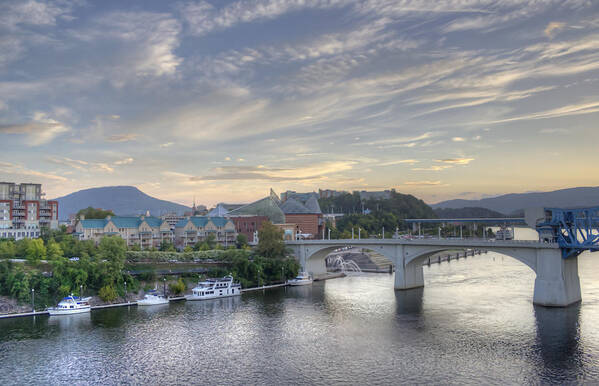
x: 191, y: 230
x: 23, y: 211
x: 145, y: 231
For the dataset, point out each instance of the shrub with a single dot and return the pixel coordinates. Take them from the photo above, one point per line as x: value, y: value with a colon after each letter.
x: 177, y: 288
x: 107, y: 293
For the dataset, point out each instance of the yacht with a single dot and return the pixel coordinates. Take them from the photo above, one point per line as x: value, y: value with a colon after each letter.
x: 215, y: 288
x: 301, y: 279
x: 152, y: 298
x: 71, y: 305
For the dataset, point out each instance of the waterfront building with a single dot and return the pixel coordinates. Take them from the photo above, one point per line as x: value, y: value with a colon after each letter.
x: 23, y: 211
x: 145, y: 231
x: 248, y: 225
x: 195, y: 229
x: 306, y: 216
x: 172, y: 219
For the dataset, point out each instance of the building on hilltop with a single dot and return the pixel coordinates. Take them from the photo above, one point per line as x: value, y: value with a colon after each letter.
x: 145, y: 231
x: 306, y: 216
x: 23, y: 211
x: 195, y: 229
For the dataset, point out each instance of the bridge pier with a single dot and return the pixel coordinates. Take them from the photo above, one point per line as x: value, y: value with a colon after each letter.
x: 557, y: 283
x: 407, y: 276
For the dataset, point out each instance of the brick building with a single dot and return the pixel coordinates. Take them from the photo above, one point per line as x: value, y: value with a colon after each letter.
x: 23, y: 211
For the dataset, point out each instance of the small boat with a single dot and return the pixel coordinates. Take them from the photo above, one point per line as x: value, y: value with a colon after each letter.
x: 301, y: 279
x: 215, y: 288
x: 71, y: 305
x: 152, y: 298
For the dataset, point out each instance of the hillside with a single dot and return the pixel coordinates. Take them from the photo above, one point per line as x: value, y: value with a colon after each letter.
x: 510, y: 203
x: 123, y: 200
x: 467, y: 213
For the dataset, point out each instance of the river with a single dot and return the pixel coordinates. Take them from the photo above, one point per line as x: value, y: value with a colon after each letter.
x: 473, y: 323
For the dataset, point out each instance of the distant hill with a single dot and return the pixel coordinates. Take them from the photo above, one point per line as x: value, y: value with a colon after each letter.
x: 123, y: 200
x: 467, y: 213
x: 510, y: 203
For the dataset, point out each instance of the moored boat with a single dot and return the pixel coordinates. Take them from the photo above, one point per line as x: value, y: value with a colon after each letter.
x: 215, y: 288
x: 71, y: 305
x: 152, y: 298
x: 303, y: 278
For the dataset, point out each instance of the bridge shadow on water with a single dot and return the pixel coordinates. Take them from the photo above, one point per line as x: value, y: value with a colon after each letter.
x: 409, y: 301
x: 558, y: 343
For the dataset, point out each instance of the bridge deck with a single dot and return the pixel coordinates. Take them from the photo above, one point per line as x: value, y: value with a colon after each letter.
x: 463, y: 243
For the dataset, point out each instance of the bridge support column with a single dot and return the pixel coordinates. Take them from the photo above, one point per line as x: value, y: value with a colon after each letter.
x: 557, y: 283
x: 407, y: 276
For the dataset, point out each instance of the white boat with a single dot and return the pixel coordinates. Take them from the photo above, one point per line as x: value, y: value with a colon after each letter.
x: 152, y: 298
x: 71, y: 305
x: 301, y: 279
x: 215, y: 288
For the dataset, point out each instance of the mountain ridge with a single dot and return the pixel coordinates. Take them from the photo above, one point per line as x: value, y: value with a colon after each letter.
x: 122, y: 200
x: 509, y: 203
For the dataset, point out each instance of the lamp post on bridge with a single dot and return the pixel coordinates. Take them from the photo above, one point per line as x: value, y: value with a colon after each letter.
x: 329, y: 233
x: 359, y: 229
x: 439, y: 233
x: 383, y: 233
x: 352, y: 233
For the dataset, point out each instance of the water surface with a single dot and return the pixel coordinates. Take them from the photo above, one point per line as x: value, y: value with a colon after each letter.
x: 474, y: 322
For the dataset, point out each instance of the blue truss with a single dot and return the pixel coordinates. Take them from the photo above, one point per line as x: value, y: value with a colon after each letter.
x: 575, y: 230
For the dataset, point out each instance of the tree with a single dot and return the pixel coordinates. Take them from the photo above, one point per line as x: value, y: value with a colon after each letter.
x: 107, y: 293
x: 53, y: 250
x: 241, y: 241
x: 113, y: 250
x: 178, y: 287
x: 167, y: 246
x: 270, y: 241
x: 7, y: 249
x: 36, y: 251
x: 90, y: 212
x: 211, y: 240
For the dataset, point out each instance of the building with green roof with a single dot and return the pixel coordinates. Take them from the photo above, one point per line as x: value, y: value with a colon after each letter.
x: 145, y: 231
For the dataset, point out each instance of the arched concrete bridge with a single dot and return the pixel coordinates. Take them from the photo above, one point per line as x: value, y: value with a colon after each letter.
x: 557, y: 283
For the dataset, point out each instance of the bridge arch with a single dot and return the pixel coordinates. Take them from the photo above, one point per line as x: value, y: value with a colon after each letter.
x: 418, y: 257
x: 314, y: 259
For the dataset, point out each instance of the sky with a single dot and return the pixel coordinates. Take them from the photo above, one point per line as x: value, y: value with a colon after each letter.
x: 222, y: 100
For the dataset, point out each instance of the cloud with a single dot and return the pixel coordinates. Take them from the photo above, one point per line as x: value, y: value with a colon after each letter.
x: 458, y: 139
x: 39, y: 131
x: 261, y: 172
x: 19, y: 171
x: 553, y: 26
x: 202, y: 17
x: 122, y: 137
x: 433, y: 168
x: 399, y: 162
x: 554, y: 131
x: 124, y: 161
x: 564, y: 111
x: 456, y: 161
x: 167, y: 144
x: 422, y: 183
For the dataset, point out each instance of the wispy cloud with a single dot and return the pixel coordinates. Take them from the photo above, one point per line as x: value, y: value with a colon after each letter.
x: 399, y: 162
x: 422, y: 183
x: 39, y: 131
x: 456, y: 161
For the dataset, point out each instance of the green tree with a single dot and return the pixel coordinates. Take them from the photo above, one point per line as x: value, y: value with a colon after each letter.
x: 241, y: 241
x: 53, y: 250
x: 167, y: 246
x: 112, y: 250
x: 177, y: 288
x: 270, y: 241
x: 107, y: 293
x: 8, y: 249
x: 210, y: 240
x: 90, y: 213
x: 36, y: 251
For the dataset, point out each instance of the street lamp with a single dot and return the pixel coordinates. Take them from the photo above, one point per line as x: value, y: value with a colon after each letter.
x: 33, y: 300
x: 283, y: 274
x: 164, y: 286
x: 125, y: 291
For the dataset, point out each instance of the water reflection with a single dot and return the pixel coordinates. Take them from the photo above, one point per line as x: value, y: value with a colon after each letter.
x: 214, y: 306
x: 409, y: 301
x: 558, y: 338
x: 70, y: 322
